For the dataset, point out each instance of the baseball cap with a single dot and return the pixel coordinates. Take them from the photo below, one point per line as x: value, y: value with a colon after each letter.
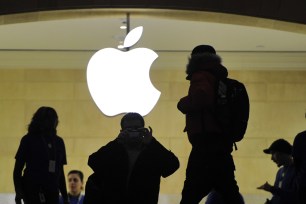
x: 279, y: 145
x: 202, y: 49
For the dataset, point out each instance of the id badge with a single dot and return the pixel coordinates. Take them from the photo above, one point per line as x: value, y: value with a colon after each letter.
x: 42, y: 197
x: 51, y: 166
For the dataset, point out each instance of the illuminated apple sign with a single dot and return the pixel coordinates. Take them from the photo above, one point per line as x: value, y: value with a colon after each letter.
x: 119, y: 81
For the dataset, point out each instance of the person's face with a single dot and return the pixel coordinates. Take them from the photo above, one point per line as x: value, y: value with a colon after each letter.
x: 134, y: 124
x: 75, y: 184
x: 278, y: 158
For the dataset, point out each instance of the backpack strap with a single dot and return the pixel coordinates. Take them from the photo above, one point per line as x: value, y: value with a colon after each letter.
x: 235, y: 145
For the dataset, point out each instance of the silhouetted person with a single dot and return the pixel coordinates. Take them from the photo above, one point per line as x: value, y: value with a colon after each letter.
x: 299, y: 157
x: 128, y: 169
x: 283, y: 190
x: 38, y: 172
x: 210, y: 165
x: 75, y: 185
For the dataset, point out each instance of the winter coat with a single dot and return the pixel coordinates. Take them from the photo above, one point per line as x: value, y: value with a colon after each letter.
x: 199, y: 104
x: 118, y: 184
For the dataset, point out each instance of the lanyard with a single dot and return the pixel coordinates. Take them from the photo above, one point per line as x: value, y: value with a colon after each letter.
x: 49, y: 147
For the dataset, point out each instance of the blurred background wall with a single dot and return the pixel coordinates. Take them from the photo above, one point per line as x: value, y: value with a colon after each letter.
x: 278, y: 101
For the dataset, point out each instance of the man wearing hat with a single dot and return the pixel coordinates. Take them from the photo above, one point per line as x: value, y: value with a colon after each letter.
x: 210, y: 164
x: 283, y: 190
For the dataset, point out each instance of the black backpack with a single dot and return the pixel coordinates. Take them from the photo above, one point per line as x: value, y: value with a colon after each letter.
x: 232, y: 108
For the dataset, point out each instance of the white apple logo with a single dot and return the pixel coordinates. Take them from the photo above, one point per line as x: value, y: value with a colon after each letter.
x: 119, y: 81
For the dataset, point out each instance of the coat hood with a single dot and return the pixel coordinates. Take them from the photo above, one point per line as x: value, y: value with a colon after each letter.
x: 206, y: 62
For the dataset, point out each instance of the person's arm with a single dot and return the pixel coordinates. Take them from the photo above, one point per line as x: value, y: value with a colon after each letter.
x: 268, y: 187
x: 192, y: 103
x: 170, y: 162
x: 97, y: 159
x: 62, y: 179
x: 62, y: 186
x: 17, y: 177
x: 286, y: 194
x: 288, y: 190
x: 200, y: 95
x: 297, y: 151
x: 299, y: 157
x: 93, y: 161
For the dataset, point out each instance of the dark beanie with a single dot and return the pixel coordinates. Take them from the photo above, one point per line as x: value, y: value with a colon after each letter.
x: 202, y: 49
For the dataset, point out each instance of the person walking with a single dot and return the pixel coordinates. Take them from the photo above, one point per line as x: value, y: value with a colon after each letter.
x: 210, y: 164
x: 40, y: 159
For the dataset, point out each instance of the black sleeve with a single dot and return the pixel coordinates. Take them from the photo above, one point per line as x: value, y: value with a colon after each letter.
x: 20, y: 162
x: 62, y: 181
x: 62, y: 185
x: 17, y: 177
x: 92, y: 161
x: 64, y: 155
x: 23, y: 148
x: 96, y: 160
x: 170, y: 162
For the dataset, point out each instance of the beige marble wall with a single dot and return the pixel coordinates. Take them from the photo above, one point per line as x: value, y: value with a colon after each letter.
x: 278, y: 105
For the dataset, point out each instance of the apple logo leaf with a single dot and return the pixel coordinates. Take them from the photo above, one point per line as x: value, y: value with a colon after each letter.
x: 133, y: 36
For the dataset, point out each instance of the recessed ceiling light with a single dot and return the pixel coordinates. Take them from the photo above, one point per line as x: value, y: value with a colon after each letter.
x: 120, y: 46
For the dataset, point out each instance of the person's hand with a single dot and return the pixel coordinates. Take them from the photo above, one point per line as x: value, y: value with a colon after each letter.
x: 266, y: 186
x: 148, y: 136
x: 18, y: 200
x: 268, y: 201
x: 19, y: 196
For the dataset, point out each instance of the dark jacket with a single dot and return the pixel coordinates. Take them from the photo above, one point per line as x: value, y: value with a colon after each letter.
x: 111, y: 173
x: 198, y: 105
x: 204, y: 71
x: 299, y: 156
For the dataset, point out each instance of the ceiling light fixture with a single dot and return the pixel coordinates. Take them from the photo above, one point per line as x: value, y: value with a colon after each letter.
x: 123, y: 27
x: 120, y: 46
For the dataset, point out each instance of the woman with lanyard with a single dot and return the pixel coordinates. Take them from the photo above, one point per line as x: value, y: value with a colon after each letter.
x: 40, y: 159
x: 75, y: 183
